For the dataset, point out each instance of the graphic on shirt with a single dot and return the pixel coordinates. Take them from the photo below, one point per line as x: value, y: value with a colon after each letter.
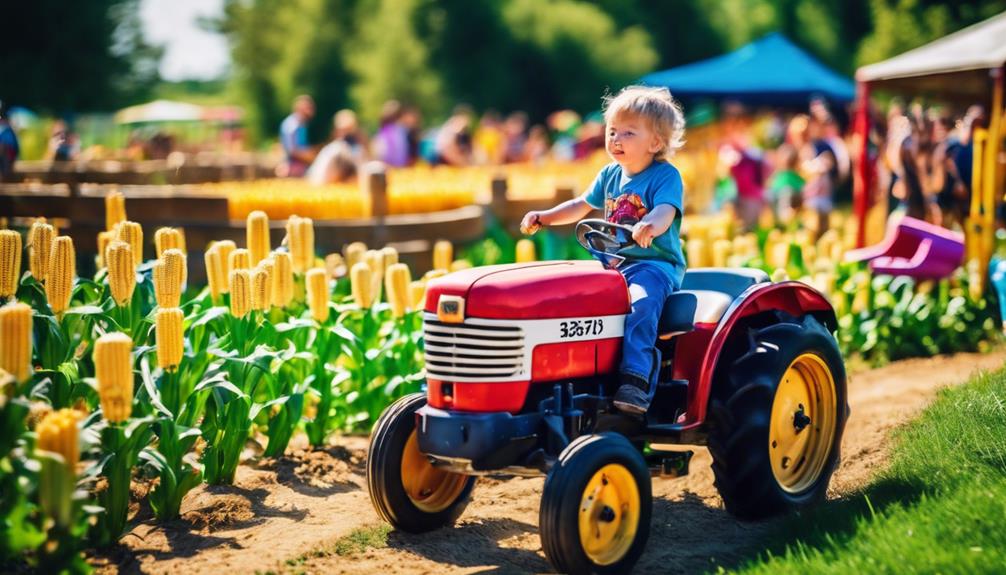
x: 626, y: 209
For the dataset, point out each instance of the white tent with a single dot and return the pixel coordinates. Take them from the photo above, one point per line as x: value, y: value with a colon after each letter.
x: 978, y: 47
x: 159, y: 111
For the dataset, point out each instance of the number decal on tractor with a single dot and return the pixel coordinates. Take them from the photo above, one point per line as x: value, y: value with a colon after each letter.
x: 580, y: 328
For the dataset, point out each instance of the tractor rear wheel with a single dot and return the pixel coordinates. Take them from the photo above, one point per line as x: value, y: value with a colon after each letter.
x: 778, y: 410
x: 406, y: 489
x: 596, y: 506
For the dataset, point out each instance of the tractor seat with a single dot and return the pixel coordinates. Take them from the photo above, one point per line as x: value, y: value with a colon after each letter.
x: 704, y: 297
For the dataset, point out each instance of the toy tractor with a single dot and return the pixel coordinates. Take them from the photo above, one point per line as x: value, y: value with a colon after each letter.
x: 521, y: 365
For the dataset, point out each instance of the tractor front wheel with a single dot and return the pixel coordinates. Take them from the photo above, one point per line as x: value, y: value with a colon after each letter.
x: 778, y: 411
x: 596, y: 506
x: 406, y: 489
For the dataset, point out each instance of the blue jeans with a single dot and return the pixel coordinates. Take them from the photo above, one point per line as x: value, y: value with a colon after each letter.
x: 648, y: 289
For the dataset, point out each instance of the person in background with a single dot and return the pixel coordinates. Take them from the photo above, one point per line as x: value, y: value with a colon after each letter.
x: 391, y: 144
x: 786, y: 185
x: 514, y: 130
x: 564, y: 124
x: 63, y: 145
x: 454, y: 141
x: 411, y: 121
x: 745, y: 163
x: 589, y: 137
x: 346, y: 128
x: 9, y: 147
x: 339, y: 160
x: 293, y: 137
x: 537, y: 146
x: 488, y: 139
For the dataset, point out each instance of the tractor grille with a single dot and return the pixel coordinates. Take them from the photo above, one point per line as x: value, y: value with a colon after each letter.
x: 464, y: 351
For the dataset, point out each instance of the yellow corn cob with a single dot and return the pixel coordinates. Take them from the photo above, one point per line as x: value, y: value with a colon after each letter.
x: 57, y: 433
x: 361, y: 278
x: 169, y: 334
x: 62, y: 271
x: 317, y: 293
x: 215, y: 278
x: 226, y: 247
x: 261, y: 293
x: 104, y: 238
x: 57, y: 475
x: 396, y: 285
x: 121, y: 271
x: 257, y: 236
x: 39, y: 249
x: 115, y: 210
x: 460, y: 265
x: 434, y: 274
x: 15, y: 340
x: 240, y: 292
x: 335, y: 266
x: 167, y: 276
x: 176, y: 260
x: 10, y: 262
x: 113, y: 368
x: 390, y: 256
x: 417, y: 294
x: 282, y: 279
x: 375, y: 260
x: 443, y: 255
x: 166, y: 238
x: 132, y: 234
x: 525, y: 251
x: 721, y: 251
x: 696, y: 253
x: 300, y: 234
x: 239, y: 259
x: 354, y: 254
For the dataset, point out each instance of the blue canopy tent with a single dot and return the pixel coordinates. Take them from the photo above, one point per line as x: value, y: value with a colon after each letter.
x: 771, y: 70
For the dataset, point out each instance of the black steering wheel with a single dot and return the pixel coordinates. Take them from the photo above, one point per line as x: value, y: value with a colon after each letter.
x: 605, y: 240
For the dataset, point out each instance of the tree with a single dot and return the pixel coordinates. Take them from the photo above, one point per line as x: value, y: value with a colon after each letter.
x: 60, y: 57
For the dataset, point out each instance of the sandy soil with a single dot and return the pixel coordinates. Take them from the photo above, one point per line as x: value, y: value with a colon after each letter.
x: 282, y: 513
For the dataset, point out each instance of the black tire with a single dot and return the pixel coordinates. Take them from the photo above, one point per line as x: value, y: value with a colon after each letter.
x: 564, y: 492
x: 388, y: 442
x: 745, y: 387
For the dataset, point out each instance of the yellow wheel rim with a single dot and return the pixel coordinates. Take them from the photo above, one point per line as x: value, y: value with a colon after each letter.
x: 609, y: 514
x: 804, y: 416
x: 431, y: 489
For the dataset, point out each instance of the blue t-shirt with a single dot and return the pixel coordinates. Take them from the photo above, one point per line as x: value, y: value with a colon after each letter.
x: 292, y: 134
x: 625, y: 200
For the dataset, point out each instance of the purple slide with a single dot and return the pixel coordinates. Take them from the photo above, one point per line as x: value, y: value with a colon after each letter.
x: 913, y: 248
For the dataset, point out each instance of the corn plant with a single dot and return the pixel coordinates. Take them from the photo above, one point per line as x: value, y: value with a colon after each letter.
x: 60, y: 503
x: 122, y: 439
x: 18, y: 532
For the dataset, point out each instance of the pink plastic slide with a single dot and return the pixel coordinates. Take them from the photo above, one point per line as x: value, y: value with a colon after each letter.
x: 913, y: 248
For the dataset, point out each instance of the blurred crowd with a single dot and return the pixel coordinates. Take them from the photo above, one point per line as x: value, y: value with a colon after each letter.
x: 401, y: 139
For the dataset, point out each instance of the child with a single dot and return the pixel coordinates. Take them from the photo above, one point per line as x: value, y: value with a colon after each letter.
x: 786, y: 184
x: 640, y: 188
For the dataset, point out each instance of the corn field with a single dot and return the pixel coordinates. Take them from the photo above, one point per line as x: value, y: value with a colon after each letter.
x: 133, y: 375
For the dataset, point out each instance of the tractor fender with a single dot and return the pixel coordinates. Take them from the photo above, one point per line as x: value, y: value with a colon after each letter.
x: 792, y: 297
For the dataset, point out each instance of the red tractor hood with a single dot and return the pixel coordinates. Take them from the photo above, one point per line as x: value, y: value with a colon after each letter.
x: 538, y: 290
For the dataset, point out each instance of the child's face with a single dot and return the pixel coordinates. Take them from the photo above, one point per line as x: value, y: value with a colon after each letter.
x: 631, y: 142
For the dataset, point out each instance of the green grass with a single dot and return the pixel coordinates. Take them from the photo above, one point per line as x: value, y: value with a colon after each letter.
x: 939, y: 507
x: 357, y: 541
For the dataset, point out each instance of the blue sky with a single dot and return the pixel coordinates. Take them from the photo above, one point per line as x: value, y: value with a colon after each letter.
x: 190, y: 52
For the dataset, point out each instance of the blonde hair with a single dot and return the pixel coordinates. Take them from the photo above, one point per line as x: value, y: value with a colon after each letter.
x: 658, y: 107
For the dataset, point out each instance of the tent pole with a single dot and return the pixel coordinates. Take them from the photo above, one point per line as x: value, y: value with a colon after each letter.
x: 861, y: 178
x: 990, y: 193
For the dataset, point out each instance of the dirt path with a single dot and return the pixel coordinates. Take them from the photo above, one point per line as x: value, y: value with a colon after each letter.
x: 279, y: 515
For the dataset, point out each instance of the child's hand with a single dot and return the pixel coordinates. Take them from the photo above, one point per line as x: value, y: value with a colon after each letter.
x: 531, y: 223
x: 643, y: 233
